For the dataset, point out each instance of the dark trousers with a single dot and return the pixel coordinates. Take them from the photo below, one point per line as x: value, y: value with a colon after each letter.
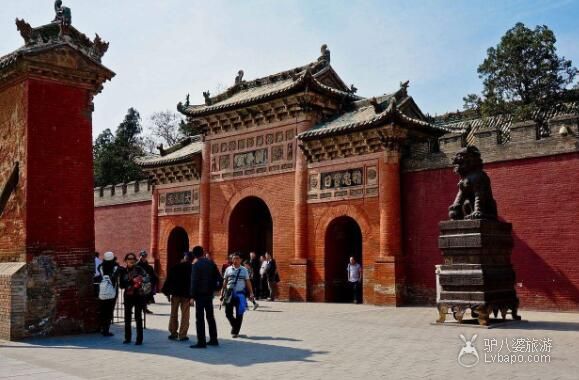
x: 264, y: 287
x: 204, y: 309
x: 356, y: 291
x: 106, y: 309
x: 256, y: 284
x: 138, y: 303
x: 236, y: 321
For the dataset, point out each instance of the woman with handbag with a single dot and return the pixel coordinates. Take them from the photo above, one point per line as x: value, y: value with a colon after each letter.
x: 134, y: 280
x: 108, y: 272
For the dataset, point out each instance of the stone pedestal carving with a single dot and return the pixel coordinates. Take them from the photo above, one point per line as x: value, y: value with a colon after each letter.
x: 476, y: 273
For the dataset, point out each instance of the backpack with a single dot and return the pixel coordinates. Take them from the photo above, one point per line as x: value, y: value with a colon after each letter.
x: 107, y: 290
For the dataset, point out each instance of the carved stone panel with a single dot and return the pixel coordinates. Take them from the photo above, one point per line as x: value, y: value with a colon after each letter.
x: 290, y: 152
x: 372, y: 175
x: 276, y: 153
x: 224, y: 162
x: 344, y: 178
x: 249, y: 160
x: 183, y: 200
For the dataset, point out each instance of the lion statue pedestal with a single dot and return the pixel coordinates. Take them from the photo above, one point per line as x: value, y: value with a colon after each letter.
x: 476, y: 273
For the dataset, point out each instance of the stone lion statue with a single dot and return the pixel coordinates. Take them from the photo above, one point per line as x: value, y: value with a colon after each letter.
x: 475, y: 197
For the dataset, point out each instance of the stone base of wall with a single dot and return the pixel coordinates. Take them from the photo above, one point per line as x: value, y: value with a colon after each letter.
x: 12, y: 300
x: 298, y: 281
x: 389, y: 281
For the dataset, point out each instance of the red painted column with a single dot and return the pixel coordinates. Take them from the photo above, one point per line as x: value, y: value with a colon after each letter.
x: 389, y: 269
x: 204, y: 196
x: 299, y: 265
x: 390, y: 222
x: 155, y: 230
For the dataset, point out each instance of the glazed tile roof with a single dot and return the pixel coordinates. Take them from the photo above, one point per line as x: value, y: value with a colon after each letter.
x: 368, y: 113
x: 267, y: 91
x: 181, y: 152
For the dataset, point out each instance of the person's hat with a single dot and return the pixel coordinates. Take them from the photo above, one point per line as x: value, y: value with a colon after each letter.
x: 109, y: 256
x: 143, y: 253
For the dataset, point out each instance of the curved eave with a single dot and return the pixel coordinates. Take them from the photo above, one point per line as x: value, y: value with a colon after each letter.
x: 391, y: 114
x: 158, y: 162
x: 305, y: 81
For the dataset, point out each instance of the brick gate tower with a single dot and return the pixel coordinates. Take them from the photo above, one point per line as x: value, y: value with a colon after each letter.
x: 46, y: 179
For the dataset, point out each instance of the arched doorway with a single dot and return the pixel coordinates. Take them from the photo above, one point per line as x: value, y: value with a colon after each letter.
x: 177, y: 245
x: 251, y: 228
x: 343, y: 240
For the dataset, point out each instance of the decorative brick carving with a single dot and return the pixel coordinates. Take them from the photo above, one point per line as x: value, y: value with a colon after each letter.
x: 276, y: 153
x: 250, y: 159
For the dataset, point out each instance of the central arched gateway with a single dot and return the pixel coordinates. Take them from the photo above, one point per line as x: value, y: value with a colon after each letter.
x: 177, y: 245
x: 251, y: 228
x: 343, y: 240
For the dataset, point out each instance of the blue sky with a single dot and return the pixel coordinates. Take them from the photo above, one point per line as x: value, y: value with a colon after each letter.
x: 161, y: 50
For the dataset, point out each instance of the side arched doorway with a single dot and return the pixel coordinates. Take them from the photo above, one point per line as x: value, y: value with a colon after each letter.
x: 250, y: 228
x: 177, y: 245
x: 343, y: 240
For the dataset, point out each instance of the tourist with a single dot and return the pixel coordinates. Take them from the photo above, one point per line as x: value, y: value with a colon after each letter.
x: 108, y: 291
x: 355, y: 279
x: 134, y: 280
x: 144, y: 263
x: 235, y: 283
x: 96, y: 276
x: 247, y: 265
x: 271, y: 275
x: 264, y: 290
x: 205, y: 281
x: 255, y: 276
x: 177, y: 289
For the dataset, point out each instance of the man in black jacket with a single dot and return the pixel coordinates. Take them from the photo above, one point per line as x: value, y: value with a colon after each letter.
x: 205, y: 280
x: 176, y: 288
x: 255, y: 264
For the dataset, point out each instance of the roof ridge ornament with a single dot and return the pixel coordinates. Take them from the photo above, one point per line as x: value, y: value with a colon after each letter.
x: 26, y: 31
x: 207, y: 96
x: 63, y: 14
x: 239, y: 78
x: 325, y: 57
x: 378, y: 108
x: 404, y: 87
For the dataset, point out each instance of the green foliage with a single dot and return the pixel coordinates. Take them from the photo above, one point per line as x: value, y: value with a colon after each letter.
x: 522, y: 74
x: 114, y: 154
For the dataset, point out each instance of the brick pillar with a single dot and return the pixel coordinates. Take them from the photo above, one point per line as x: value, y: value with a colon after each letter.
x: 299, y: 265
x: 388, y: 272
x: 204, y: 196
x: 155, y: 231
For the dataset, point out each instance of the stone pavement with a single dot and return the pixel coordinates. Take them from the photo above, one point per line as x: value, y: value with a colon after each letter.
x: 309, y: 341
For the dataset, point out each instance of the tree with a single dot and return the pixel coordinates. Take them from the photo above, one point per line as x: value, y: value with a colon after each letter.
x: 167, y: 127
x: 522, y: 73
x: 114, y: 155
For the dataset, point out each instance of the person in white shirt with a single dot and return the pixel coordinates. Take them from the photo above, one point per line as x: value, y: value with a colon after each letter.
x: 355, y: 279
x: 236, y: 286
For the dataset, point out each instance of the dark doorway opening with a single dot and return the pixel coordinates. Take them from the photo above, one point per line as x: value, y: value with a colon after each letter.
x: 251, y: 228
x: 177, y: 245
x: 343, y: 240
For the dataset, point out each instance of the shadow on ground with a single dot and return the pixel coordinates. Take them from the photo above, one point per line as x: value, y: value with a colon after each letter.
x: 241, y: 352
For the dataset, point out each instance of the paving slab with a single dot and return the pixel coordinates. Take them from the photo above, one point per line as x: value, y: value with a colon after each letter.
x: 311, y: 341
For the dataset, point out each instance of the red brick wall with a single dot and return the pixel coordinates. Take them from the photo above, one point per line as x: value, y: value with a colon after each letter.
x: 123, y: 228
x: 538, y: 196
x: 366, y: 212
x: 13, y: 111
x: 59, y: 206
x: 190, y: 223
x: 60, y: 184
x: 277, y: 191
